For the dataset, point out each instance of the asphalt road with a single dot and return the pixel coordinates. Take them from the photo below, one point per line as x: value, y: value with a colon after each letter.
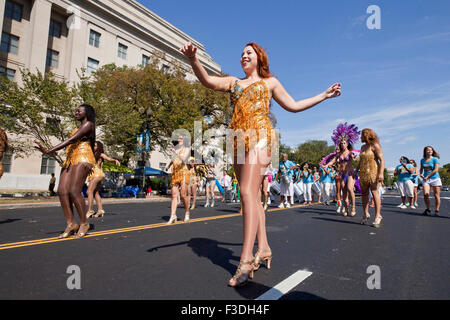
x: 131, y: 254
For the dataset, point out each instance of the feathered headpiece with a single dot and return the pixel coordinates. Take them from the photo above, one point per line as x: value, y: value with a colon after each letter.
x: 345, y: 132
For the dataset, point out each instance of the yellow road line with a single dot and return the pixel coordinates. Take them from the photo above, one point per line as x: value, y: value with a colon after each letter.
x: 13, y: 245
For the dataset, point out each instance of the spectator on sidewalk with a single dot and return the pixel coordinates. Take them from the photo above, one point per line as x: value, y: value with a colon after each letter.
x: 51, y: 185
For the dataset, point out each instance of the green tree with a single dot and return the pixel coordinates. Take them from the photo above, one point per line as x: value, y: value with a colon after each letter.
x: 41, y: 109
x: 126, y: 97
x: 312, y: 152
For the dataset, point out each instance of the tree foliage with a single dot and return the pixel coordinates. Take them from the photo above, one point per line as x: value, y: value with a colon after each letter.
x: 42, y: 108
x: 123, y: 97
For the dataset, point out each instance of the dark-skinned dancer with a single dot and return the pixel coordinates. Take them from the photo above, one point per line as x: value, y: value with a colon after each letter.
x: 75, y: 169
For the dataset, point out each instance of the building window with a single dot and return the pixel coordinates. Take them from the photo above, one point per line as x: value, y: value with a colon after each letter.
x: 145, y: 60
x: 7, y: 161
x: 47, y: 165
x: 13, y: 10
x: 92, y: 65
x: 52, y: 58
x: 94, y: 38
x: 122, y: 51
x: 165, y: 68
x: 9, y: 43
x: 9, y: 73
x: 162, y: 166
x: 55, y: 29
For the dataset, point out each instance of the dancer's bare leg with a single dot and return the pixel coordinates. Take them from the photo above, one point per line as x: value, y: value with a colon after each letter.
x: 250, y: 177
x: 174, y: 204
x: 184, y: 198
x: 97, y: 197
x: 91, y: 192
x: 78, y: 175
x: 194, y: 195
x: 351, y: 192
x: 365, y: 199
x: 437, y: 197
x: 64, y: 198
x: 376, y: 198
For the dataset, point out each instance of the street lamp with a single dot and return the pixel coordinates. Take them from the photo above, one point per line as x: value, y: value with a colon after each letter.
x: 144, y: 138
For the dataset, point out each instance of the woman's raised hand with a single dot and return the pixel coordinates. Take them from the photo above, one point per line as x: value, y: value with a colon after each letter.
x: 189, y: 50
x: 333, y: 91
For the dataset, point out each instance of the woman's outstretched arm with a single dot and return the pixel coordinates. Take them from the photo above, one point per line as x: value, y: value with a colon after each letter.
x: 283, y: 98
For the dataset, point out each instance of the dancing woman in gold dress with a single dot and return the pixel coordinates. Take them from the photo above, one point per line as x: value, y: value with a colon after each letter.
x: 371, y: 173
x: 180, y: 180
x: 75, y: 169
x: 251, y: 97
x: 95, y: 180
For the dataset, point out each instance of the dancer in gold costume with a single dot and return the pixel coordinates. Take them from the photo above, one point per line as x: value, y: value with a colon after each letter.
x: 3, y: 148
x: 75, y: 169
x: 180, y: 180
x: 371, y: 174
x: 193, y: 182
x: 251, y: 97
x: 95, y: 179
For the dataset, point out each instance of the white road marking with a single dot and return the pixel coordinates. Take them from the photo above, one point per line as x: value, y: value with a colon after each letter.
x: 285, y: 286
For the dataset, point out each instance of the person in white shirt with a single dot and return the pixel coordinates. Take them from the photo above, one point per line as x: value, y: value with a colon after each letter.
x: 226, y: 184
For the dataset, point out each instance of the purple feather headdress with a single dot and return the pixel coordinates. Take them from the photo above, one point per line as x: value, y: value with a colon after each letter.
x: 345, y: 132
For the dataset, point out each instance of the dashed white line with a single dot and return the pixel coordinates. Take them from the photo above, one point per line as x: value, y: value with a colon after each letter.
x: 285, y: 286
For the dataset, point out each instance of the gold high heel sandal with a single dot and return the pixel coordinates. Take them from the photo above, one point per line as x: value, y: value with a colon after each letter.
x: 90, y: 213
x: 377, y: 222
x: 259, y: 260
x: 241, y: 276
x: 173, y: 219
x: 100, y: 213
x: 84, y: 228
x: 365, y: 220
x: 70, y: 229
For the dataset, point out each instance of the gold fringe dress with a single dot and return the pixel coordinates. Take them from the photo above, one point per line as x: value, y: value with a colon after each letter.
x: 78, y: 152
x: 251, y: 114
x: 180, y: 173
x: 97, y: 172
x: 368, y: 167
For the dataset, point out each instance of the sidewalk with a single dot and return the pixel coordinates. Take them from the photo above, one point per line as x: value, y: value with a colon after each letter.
x: 42, y: 202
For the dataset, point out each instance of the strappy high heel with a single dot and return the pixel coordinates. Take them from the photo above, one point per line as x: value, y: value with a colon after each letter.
x: 90, y: 213
x: 173, y: 219
x: 186, y: 217
x: 377, y: 222
x: 84, y: 228
x: 353, y: 212
x: 259, y: 260
x: 70, y: 229
x: 100, y: 213
x: 365, y: 220
x: 241, y: 276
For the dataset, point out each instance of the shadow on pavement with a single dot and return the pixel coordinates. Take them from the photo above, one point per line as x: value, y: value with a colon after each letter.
x: 210, y: 249
x: 9, y: 221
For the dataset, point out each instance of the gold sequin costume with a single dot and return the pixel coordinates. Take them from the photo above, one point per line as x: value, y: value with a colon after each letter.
x: 180, y: 173
x: 193, y: 179
x: 251, y: 112
x: 368, y: 167
x: 78, y: 152
x: 97, y: 172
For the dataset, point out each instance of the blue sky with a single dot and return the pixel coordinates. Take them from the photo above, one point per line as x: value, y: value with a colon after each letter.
x: 395, y: 80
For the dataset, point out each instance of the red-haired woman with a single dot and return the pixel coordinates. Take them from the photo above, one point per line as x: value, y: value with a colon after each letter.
x: 371, y: 167
x: 251, y: 97
x: 95, y: 179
